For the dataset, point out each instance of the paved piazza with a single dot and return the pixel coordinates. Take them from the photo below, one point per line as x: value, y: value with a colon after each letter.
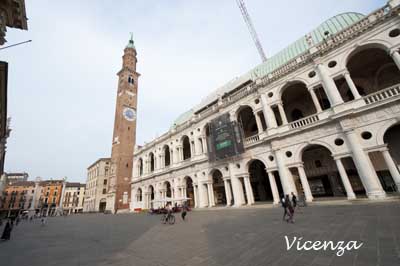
x: 248, y: 236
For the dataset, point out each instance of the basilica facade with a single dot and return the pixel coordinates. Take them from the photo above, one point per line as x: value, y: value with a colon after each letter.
x: 320, y: 119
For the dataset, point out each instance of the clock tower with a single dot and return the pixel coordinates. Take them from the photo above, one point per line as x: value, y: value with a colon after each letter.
x: 124, y: 136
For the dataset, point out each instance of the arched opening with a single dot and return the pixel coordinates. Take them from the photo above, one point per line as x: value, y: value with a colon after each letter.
x: 189, y: 191
x: 259, y: 181
x: 139, y: 195
x: 391, y: 138
x: 219, y: 188
x: 140, y: 166
x: 186, y: 148
x: 168, y: 187
x: 167, y: 158
x: 297, y: 101
x: 151, y: 155
x: 372, y: 69
x: 247, y: 121
x: 151, y: 191
x: 102, y: 205
x: 323, y: 176
x: 383, y: 160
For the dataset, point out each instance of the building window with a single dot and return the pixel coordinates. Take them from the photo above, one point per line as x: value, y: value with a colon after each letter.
x: 105, y: 182
x: 104, y: 191
x: 54, y: 200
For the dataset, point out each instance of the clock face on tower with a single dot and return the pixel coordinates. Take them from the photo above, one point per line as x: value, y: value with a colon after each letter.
x: 129, y: 113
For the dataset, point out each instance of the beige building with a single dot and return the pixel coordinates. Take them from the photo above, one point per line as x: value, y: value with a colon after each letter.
x: 320, y: 119
x: 98, y: 175
x: 74, y: 195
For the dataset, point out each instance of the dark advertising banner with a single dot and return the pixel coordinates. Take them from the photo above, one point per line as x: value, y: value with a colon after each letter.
x: 225, y: 138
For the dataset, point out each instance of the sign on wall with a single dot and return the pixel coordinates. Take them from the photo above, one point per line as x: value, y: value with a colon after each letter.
x: 225, y: 139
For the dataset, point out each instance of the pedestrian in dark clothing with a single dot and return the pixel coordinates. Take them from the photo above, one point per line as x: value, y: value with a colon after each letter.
x: 284, y: 208
x: 294, y: 200
x: 184, y: 211
x: 290, y: 210
x: 7, y: 231
x: 17, y: 221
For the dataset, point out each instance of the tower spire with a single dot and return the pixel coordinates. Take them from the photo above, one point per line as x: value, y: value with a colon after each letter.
x: 131, y: 43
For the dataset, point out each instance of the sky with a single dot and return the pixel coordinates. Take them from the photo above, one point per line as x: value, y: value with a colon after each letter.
x: 62, y: 86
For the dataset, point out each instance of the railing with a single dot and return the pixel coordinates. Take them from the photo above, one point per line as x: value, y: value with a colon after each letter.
x: 383, y: 94
x: 251, y: 139
x: 304, y: 121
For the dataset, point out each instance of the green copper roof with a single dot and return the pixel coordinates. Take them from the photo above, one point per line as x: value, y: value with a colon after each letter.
x: 131, y: 43
x: 332, y: 25
x: 183, y: 118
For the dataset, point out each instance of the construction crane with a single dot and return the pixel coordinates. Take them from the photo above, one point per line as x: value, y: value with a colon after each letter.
x: 250, y: 26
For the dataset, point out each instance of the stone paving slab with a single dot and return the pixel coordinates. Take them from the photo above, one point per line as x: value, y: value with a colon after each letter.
x: 245, y: 236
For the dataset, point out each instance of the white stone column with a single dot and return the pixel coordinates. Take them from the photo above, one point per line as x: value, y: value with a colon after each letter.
x: 210, y: 189
x: 351, y: 85
x: 181, y: 153
x: 204, y: 144
x: 304, y: 183
x: 282, y: 113
x: 269, y: 115
x: 315, y: 100
x: 345, y: 179
x: 249, y: 190
x: 364, y: 167
x: 329, y: 85
x: 228, y: 193
x: 396, y: 57
x: 287, y: 181
x: 394, y: 171
x: 238, y: 195
x: 258, y: 122
x: 203, y: 195
x: 274, y: 188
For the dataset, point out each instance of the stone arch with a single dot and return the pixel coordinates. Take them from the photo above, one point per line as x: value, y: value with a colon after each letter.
x: 364, y: 45
x: 283, y: 87
x: 167, y: 155
x: 259, y: 180
x: 216, y: 176
x: 373, y: 63
x: 247, y: 120
x: 384, y: 128
x: 297, y: 101
x: 140, y: 166
x: 189, y: 185
x: 152, y: 161
x: 299, y: 151
x: 168, y: 187
x: 139, y: 194
x: 186, y: 146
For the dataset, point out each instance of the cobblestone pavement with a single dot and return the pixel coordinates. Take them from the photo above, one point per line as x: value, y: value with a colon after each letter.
x: 253, y: 236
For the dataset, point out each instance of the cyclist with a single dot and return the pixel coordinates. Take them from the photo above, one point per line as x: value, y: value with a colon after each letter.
x: 169, y: 211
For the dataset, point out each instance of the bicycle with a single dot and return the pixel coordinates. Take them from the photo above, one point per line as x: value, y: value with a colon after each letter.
x: 170, y: 219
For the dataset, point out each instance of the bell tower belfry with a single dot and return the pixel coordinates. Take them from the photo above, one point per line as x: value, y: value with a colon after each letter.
x: 124, y: 136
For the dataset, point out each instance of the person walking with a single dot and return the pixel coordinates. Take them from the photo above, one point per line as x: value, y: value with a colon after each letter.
x: 7, y: 231
x: 294, y: 201
x: 284, y: 208
x: 290, y: 210
x: 184, y: 210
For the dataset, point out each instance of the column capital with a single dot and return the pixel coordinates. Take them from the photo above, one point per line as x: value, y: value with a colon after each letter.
x: 394, y: 51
